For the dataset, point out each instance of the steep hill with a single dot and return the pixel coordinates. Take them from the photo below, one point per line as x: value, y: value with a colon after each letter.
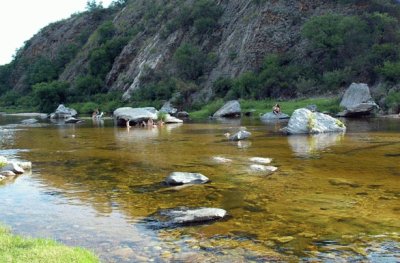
x: 194, y: 51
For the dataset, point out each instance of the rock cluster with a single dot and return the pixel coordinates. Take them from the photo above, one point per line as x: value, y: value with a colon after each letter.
x: 63, y: 112
x: 9, y: 169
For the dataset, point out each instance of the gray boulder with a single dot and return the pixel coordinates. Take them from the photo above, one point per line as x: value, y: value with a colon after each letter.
x: 179, y: 178
x: 357, y: 101
x: 197, y: 215
x: 270, y: 116
x: 134, y: 115
x: 63, y: 112
x: 304, y: 121
x: 185, y: 216
x: 168, y: 108
x: 231, y: 109
x: 240, y: 135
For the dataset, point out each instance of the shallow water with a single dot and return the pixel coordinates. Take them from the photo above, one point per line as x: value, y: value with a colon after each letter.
x: 334, y: 198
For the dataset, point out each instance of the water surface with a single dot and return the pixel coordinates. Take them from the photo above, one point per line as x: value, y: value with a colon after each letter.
x: 334, y: 197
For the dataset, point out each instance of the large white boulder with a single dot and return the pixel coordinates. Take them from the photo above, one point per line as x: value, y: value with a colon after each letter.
x: 304, y: 121
x: 134, y: 115
x: 63, y: 112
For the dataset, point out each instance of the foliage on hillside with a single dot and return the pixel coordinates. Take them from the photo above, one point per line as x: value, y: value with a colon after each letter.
x: 338, y: 49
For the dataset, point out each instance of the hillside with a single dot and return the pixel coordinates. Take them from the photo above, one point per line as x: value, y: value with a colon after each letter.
x: 149, y: 51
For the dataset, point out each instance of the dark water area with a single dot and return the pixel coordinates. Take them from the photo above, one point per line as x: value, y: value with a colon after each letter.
x: 334, y: 197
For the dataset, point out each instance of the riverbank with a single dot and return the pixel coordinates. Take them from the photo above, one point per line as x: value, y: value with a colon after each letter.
x: 19, y: 249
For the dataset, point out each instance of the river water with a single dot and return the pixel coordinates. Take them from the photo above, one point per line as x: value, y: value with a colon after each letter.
x: 334, y: 197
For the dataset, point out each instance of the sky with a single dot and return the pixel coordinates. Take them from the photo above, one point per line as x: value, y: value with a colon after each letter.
x: 21, y: 19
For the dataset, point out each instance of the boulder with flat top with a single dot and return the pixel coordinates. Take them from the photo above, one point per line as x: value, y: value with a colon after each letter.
x: 134, y: 115
x: 270, y: 116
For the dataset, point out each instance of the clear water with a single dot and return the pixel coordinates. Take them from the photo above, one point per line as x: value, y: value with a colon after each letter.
x: 334, y: 198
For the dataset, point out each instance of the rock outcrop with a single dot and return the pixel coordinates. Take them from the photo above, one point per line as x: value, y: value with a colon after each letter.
x: 63, y: 112
x: 304, y: 121
x: 357, y: 101
x: 168, y: 108
x: 231, y: 109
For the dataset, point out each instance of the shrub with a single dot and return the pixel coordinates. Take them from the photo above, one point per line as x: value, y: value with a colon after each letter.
x: 49, y: 95
x: 42, y: 70
x: 190, y: 61
x: 390, y: 70
x: 222, y: 86
x: 393, y: 101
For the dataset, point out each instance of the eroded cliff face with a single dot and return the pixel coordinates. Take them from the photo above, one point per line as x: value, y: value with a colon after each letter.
x: 245, y: 33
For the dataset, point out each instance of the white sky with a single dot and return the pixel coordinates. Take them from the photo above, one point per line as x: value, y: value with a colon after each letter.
x: 21, y: 19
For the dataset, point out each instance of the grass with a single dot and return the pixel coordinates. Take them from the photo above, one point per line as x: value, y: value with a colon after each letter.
x: 262, y: 106
x: 18, y: 249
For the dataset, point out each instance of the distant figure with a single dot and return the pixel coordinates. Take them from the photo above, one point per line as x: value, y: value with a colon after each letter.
x: 127, y: 124
x: 276, y: 109
x: 160, y: 123
x: 97, y: 115
x: 150, y: 123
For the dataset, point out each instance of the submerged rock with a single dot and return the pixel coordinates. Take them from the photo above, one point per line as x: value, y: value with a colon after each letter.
x: 29, y: 121
x: 343, y: 182
x: 185, y: 216
x: 260, y: 160
x: 179, y: 178
x: 220, y: 159
x: 197, y: 215
x: 241, y: 135
x: 72, y: 120
x: 262, y: 168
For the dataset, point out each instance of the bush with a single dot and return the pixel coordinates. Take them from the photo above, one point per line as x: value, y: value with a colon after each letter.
x: 86, y: 86
x: 49, y: 95
x: 222, y: 86
x: 190, y: 61
x: 42, y: 70
x: 390, y: 70
x: 393, y: 101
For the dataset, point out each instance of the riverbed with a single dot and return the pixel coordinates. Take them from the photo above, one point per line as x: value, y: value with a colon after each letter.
x: 334, y: 197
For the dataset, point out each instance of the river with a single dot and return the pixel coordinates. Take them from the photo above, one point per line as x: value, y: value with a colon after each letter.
x: 334, y: 197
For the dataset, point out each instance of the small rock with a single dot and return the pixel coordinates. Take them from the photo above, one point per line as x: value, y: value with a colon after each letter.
x: 72, y: 120
x: 342, y: 182
x: 182, y: 114
x: 219, y: 159
x: 284, y: 239
x: 29, y: 121
x: 179, y: 178
x: 241, y: 135
x: 125, y: 252
x: 260, y: 160
x: 263, y: 168
x: 170, y: 119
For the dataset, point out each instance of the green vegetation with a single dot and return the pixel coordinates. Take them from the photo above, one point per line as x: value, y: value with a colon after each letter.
x: 338, y: 48
x: 262, y: 106
x: 17, y: 249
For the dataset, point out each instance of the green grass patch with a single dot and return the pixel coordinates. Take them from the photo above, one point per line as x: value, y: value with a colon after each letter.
x: 207, y: 110
x: 18, y: 249
x: 330, y: 105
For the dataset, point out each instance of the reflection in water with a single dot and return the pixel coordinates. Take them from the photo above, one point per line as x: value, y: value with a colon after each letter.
x: 307, y: 146
x: 91, y: 187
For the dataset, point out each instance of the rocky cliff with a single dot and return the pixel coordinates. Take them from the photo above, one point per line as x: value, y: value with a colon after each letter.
x: 144, y: 35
